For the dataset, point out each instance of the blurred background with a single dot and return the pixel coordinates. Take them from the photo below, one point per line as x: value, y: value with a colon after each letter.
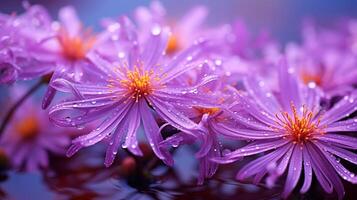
x: 282, y: 17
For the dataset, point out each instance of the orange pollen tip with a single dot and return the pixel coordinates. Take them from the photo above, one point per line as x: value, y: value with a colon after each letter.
x: 28, y: 128
x: 301, y: 128
x: 75, y: 47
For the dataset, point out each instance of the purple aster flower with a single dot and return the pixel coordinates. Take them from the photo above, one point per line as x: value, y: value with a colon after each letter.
x: 36, y: 45
x: 326, y: 59
x: 138, y: 85
x: 19, y: 48
x: 184, y: 31
x: 30, y: 136
x: 294, y: 133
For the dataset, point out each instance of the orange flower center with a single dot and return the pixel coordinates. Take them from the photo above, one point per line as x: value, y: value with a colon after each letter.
x: 28, y: 128
x: 172, y: 45
x: 76, y: 47
x: 308, y: 78
x: 209, y: 111
x: 139, y: 83
x: 300, y: 128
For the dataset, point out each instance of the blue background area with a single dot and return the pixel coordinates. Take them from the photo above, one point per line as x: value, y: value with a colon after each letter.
x: 282, y: 17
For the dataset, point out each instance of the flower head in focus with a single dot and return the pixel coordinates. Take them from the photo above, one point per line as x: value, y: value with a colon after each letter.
x: 295, y: 134
x: 137, y: 87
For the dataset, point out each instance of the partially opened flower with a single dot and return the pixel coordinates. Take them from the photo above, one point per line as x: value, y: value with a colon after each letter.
x: 29, y: 138
x: 295, y: 134
x: 137, y: 87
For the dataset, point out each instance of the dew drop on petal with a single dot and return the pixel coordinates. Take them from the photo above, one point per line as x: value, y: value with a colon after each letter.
x: 156, y: 30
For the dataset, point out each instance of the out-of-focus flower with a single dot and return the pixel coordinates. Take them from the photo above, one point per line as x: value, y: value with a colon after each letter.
x: 184, y: 31
x: 21, y: 55
x: 138, y: 83
x: 29, y: 137
x: 295, y: 133
x: 326, y: 59
x: 35, y: 45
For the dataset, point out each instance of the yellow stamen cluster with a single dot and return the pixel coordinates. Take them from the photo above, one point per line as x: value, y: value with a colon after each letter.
x: 300, y: 128
x: 139, y: 82
x: 28, y: 128
x: 75, y: 47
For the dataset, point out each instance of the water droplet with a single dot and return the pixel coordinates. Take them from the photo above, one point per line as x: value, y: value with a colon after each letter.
x: 68, y: 119
x: 311, y: 85
x: 156, y: 30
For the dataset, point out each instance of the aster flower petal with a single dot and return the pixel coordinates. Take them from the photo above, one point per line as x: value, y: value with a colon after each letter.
x: 61, y: 113
x: 288, y: 86
x: 131, y: 141
x: 69, y: 19
x: 114, y: 144
x: 343, y: 108
x: 182, y: 62
x: 245, y: 133
x: 257, y: 112
x: 340, y: 152
x: 307, y: 172
x: 155, y: 47
x: 152, y: 132
x: 172, y: 115
x: 190, y: 95
x: 340, y: 140
x: 251, y: 149
x: 283, y: 165
x: 254, y: 166
x: 262, y: 95
x: 324, y: 171
x: 346, y: 125
x: 104, y: 130
x: 294, y: 172
x: 81, y: 90
x: 341, y: 170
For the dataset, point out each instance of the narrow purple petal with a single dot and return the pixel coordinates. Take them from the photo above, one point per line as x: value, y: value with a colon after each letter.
x: 339, y: 140
x: 131, y: 141
x: 289, y: 89
x: 346, y: 125
x: 172, y: 115
x: 254, y: 166
x: 242, y: 133
x: 342, y: 109
x: 252, y: 149
x: 152, y: 133
x: 307, y: 172
x: 294, y: 172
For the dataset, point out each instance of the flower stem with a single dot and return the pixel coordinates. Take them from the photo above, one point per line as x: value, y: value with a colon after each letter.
x: 12, y: 110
